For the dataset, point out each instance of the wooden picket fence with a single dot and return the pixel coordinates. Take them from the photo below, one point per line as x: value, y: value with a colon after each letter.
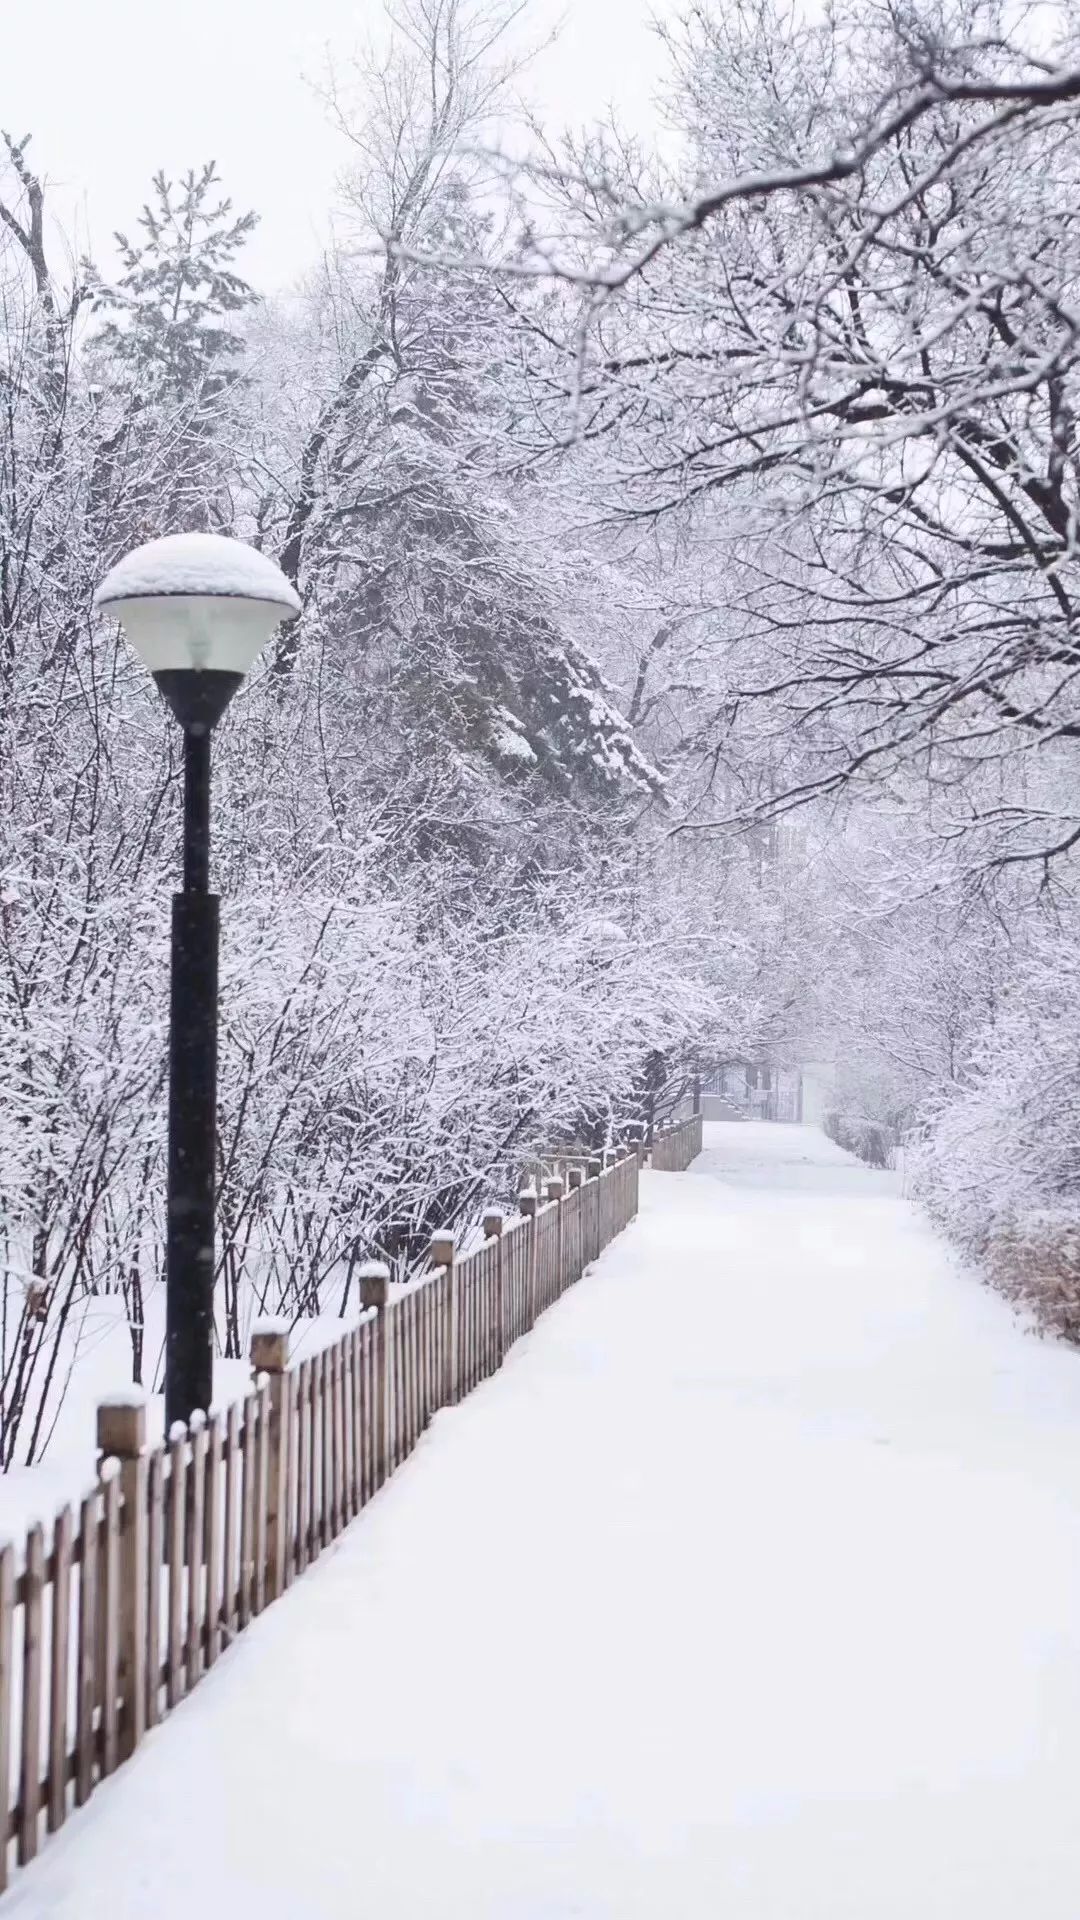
x: 674, y: 1147
x: 106, y: 1624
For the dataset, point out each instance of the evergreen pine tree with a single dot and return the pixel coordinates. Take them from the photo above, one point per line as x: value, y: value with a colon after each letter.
x: 170, y: 310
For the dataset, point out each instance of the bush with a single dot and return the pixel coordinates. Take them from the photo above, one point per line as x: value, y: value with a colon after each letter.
x: 998, y: 1162
x: 870, y: 1140
x: 1040, y: 1271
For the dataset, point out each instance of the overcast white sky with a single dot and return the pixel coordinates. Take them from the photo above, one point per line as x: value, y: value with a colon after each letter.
x: 113, y: 89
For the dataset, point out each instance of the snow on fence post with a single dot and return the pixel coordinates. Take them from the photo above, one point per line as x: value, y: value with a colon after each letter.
x: 374, y: 1280
x: 121, y: 1436
x: 493, y: 1230
x: 270, y: 1355
x: 527, y: 1205
x: 441, y: 1253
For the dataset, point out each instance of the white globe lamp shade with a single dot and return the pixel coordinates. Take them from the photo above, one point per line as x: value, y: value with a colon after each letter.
x: 197, y: 604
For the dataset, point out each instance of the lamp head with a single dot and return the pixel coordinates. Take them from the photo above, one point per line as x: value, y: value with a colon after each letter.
x: 198, y: 609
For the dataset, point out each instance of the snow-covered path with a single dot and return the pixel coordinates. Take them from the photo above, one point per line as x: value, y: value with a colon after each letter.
x: 751, y: 1587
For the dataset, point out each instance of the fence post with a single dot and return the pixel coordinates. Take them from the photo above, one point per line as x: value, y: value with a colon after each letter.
x: 575, y: 1178
x: 442, y: 1254
x: 121, y: 1436
x: 527, y: 1205
x: 593, y: 1170
x: 374, y: 1278
x: 270, y: 1355
x: 493, y: 1230
x: 555, y: 1190
x: 606, y: 1200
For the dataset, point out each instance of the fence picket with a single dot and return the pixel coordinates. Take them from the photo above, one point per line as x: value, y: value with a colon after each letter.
x: 196, y: 1545
x: 213, y: 1539
x: 88, y: 1638
x: 403, y: 1379
x: 177, y: 1501
x: 336, y: 1442
x: 348, y: 1414
x: 314, y: 1458
x: 377, y: 1400
x: 249, y: 1470
x: 326, y: 1442
x: 59, y: 1671
x: 230, y: 1571
x: 424, y: 1311
x: 341, y: 1348
x: 414, y: 1370
x: 110, y: 1614
x: 155, y: 1555
x: 7, y: 1690
x: 290, y: 1438
x: 303, y: 1466
x: 360, y: 1415
x: 397, y: 1386
x: 259, y: 1493
x: 30, y: 1766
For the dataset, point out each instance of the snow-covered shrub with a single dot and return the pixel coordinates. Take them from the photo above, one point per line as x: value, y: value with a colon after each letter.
x: 998, y: 1161
x: 868, y: 1139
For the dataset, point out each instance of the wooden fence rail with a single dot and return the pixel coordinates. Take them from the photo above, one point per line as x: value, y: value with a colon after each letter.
x: 674, y: 1147
x: 107, y: 1622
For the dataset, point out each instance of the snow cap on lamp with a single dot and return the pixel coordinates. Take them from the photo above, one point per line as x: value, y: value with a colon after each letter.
x: 197, y: 608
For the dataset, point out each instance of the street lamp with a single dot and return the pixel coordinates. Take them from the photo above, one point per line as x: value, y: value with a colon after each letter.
x: 197, y: 608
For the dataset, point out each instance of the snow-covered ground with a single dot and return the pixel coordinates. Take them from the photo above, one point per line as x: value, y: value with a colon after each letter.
x: 97, y: 1364
x: 751, y: 1587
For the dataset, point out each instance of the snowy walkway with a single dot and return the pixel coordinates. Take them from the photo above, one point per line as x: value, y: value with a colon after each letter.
x: 751, y: 1588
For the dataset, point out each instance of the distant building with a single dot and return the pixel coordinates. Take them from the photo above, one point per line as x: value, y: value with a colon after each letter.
x: 753, y: 1090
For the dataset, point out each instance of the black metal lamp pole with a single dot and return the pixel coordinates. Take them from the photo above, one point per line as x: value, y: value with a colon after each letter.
x: 198, y: 700
x: 197, y: 608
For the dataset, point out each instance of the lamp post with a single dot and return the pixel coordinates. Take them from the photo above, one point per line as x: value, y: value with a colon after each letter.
x: 197, y: 608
